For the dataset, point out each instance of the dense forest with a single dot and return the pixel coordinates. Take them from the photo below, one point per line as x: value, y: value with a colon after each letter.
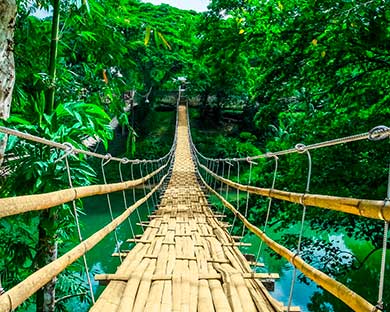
x: 259, y: 76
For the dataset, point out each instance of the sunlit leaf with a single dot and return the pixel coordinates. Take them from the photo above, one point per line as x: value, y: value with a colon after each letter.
x: 166, y: 44
x: 147, y: 35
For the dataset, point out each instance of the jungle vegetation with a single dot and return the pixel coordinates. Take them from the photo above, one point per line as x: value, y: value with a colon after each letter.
x: 263, y: 75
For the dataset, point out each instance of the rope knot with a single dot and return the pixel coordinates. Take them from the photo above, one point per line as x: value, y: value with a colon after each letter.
x: 106, y: 159
x: 125, y: 160
x: 301, y: 148
x: 69, y: 148
x: 379, y: 133
x: 379, y: 306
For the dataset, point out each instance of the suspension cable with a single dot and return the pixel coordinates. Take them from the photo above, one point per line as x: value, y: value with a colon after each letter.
x: 103, y: 163
x: 61, y: 146
x: 76, y: 218
x: 376, y: 134
x: 302, y: 149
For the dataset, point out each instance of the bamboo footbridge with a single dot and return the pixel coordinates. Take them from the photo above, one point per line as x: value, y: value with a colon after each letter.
x: 186, y: 259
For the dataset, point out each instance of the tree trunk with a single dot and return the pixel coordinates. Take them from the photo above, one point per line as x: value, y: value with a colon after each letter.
x: 46, y: 253
x: 50, y: 93
x: 47, y: 245
x: 7, y: 65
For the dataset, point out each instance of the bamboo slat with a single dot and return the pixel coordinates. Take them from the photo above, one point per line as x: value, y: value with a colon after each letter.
x: 374, y: 209
x: 16, y: 205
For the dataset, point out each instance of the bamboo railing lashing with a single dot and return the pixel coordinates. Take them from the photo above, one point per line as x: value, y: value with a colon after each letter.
x: 374, y: 209
x: 16, y: 205
x: 350, y: 298
x: 19, y: 293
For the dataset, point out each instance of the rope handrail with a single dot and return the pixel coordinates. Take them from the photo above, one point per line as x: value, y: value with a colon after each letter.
x: 16, y: 205
x: 374, y: 209
x: 65, y: 147
x: 339, y: 290
x: 375, y: 134
x: 25, y: 289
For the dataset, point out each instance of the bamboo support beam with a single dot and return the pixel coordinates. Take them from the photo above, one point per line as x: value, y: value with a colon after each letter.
x: 16, y: 205
x: 103, y: 279
x: 374, y: 209
x: 350, y: 298
x: 11, y: 299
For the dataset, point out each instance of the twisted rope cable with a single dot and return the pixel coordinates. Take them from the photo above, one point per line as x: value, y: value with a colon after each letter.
x: 376, y: 134
x: 64, y: 146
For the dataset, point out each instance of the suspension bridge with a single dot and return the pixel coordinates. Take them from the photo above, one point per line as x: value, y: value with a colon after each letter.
x: 186, y: 259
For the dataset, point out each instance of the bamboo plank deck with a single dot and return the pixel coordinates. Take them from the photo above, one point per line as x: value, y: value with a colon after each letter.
x: 185, y: 260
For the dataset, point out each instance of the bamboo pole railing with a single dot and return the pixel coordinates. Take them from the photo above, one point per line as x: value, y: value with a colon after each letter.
x: 19, y: 293
x: 16, y: 205
x: 349, y: 297
x: 374, y: 209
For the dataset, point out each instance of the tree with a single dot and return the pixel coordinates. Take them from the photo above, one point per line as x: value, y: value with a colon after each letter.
x: 7, y: 66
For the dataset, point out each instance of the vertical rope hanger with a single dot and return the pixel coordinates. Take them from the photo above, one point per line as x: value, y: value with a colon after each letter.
x: 216, y: 172
x: 237, y: 197
x: 227, y: 185
x: 380, y: 304
x: 269, y: 207
x: 103, y: 163
x: 207, y: 166
x: 247, y: 193
x: 125, y: 161
x: 223, y: 176
x: 142, y: 175
x: 135, y: 197
x: 150, y: 185
x: 76, y: 218
x: 213, y: 163
x: 301, y: 149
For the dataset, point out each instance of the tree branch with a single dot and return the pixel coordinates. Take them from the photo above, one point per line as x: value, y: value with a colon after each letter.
x: 70, y: 296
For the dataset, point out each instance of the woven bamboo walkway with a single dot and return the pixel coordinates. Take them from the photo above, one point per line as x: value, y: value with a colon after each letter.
x: 185, y: 260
